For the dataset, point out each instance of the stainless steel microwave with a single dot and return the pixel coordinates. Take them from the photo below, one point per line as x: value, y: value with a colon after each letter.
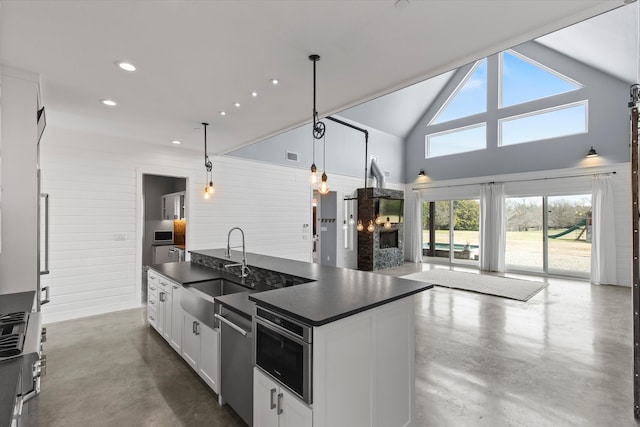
x: 163, y: 236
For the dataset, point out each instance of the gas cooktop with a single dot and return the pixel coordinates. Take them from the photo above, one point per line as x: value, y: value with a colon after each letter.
x: 12, y: 332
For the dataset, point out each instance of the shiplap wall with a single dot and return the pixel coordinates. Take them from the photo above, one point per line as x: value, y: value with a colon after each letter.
x: 550, y: 183
x: 94, y: 184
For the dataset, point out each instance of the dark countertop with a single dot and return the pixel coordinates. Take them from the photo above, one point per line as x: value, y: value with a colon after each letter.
x: 10, y: 371
x: 186, y: 272
x: 17, y: 302
x: 334, y: 293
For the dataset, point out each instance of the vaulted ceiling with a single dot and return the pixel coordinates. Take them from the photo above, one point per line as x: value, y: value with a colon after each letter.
x: 196, y: 59
x: 607, y: 42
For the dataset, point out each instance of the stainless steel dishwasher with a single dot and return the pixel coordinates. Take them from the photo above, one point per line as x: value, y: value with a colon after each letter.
x: 236, y: 366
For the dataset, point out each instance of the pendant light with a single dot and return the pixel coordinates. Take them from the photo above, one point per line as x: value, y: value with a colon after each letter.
x: 387, y: 224
x: 318, y: 132
x: 351, y: 220
x: 378, y: 219
x: 209, y: 189
x: 323, y: 188
x: 370, y: 227
x: 360, y: 226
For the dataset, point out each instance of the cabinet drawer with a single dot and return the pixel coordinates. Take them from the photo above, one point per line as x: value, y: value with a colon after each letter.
x: 152, y: 316
x: 153, y: 277
x: 165, y: 284
x: 152, y: 301
x: 152, y: 289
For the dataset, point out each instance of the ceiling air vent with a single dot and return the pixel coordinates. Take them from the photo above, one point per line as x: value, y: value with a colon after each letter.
x: 291, y: 156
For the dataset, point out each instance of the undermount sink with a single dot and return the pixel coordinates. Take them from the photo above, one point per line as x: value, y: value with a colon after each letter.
x: 198, y: 298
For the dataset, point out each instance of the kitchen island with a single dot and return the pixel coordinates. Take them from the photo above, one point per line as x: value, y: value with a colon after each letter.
x: 360, y: 353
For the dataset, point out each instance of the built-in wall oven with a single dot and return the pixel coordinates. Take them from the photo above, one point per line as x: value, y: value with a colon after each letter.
x: 283, y: 349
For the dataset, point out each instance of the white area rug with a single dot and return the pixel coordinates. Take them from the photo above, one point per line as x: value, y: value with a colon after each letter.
x: 505, y: 287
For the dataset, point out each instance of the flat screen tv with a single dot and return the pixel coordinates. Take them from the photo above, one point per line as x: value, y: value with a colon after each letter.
x: 392, y: 208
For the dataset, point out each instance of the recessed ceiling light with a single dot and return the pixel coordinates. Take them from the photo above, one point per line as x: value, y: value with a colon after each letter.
x: 254, y: 94
x: 222, y: 113
x: 237, y: 104
x: 127, y: 66
x: 274, y: 81
x: 175, y: 141
x: 109, y: 102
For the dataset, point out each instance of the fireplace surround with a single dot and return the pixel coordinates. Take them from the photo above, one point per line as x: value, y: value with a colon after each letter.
x: 384, y: 247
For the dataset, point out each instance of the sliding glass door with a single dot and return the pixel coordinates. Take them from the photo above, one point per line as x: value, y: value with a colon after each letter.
x: 450, y: 230
x: 549, y: 234
x: 569, y: 235
x: 524, y: 231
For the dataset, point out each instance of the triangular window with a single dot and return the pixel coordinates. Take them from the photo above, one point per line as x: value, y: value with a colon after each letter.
x: 469, y: 98
x: 523, y: 80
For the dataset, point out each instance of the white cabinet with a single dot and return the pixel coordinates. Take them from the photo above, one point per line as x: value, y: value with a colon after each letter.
x: 200, y: 349
x: 190, y: 341
x: 209, y: 351
x: 173, y: 206
x: 176, y: 318
x: 275, y: 406
x: 163, y: 308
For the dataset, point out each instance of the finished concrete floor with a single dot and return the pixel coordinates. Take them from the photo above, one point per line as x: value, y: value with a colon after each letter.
x: 564, y: 358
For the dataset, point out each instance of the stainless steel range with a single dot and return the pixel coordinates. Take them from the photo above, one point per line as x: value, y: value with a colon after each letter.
x: 21, y: 337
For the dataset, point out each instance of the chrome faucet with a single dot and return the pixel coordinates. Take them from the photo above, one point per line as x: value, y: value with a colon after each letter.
x: 245, y: 268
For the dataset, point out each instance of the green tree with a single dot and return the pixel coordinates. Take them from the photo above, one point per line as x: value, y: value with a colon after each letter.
x: 466, y: 215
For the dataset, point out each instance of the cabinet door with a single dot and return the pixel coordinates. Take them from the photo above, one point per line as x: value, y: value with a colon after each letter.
x: 165, y: 298
x: 265, y: 400
x: 293, y: 412
x: 190, y: 341
x: 176, y: 318
x: 209, y: 366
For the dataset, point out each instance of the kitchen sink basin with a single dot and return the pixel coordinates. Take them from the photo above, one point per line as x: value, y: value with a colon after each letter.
x: 197, y: 299
x: 218, y: 287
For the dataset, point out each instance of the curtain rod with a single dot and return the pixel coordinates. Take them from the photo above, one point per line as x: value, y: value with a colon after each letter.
x: 515, y: 180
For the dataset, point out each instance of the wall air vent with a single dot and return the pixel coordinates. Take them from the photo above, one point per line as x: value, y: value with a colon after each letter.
x: 291, y: 156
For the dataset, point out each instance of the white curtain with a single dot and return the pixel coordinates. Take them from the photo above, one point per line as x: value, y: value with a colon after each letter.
x: 492, y: 227
x: 603, y: 248
x: 413, y: 231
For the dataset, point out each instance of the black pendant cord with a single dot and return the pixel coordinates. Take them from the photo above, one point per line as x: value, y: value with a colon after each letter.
x: 207, y: 162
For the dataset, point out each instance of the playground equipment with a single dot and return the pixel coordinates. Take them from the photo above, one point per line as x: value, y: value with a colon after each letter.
x: 577, y: 225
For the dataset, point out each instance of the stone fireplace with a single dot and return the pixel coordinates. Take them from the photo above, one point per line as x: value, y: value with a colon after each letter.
x: 384, y: 247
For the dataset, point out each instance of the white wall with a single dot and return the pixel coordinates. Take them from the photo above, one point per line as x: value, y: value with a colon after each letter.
x: 95, y: 185
x: 549, y: 183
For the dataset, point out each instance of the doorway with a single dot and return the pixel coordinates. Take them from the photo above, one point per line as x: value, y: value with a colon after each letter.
x: 164, y: 213
x: 324, y: 208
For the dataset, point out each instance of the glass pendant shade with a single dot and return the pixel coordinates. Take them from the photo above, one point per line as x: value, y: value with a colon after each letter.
x: 206, y: 192
x: 378, y: 219
x: 387, y: 224
x: 360, y: 227
x: 314, y: 175
x: 211, y: 189
x: 370, y: 227
x: 351, y: 220
x: 344, y: 225
x: 324, y: 187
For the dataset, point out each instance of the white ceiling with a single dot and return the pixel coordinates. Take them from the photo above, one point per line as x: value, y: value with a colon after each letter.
x: 607, y: 42
x: 196, y: 58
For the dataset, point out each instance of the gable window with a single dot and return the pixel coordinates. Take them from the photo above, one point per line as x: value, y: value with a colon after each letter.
x: 523, y: 80
x: 460, y: 140
x: 552, y: 123
x: 469, y: 98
